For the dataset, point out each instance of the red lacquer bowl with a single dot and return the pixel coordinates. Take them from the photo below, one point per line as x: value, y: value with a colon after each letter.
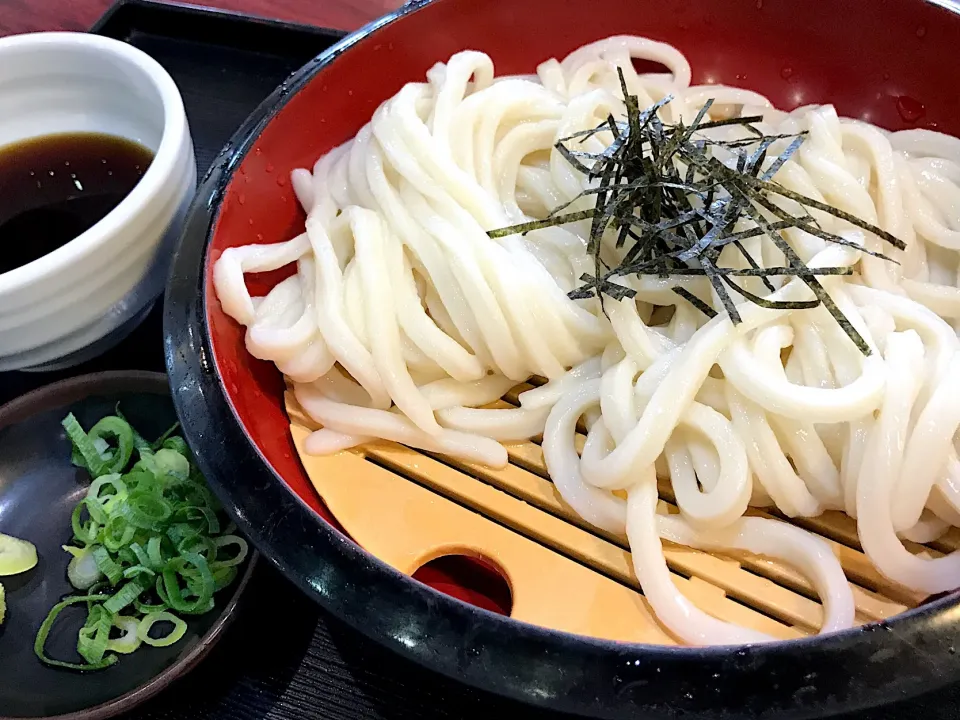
x: 891, y: 62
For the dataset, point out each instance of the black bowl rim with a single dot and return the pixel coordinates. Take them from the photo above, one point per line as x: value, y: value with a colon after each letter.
x: 810, y: 677
x: 155, y: 383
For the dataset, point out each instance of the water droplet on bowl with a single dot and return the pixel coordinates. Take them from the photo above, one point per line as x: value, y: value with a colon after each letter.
x: 759, y: 4
x: 269, y: 167
x: 241, y: 198
x: 921, y: 31
x: 250, y: 221
x: 281, y: 181
x: 910, y: 109
x: 786, y: 73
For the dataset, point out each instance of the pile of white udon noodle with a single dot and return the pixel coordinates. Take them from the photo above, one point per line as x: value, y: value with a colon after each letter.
x: 404, y: 318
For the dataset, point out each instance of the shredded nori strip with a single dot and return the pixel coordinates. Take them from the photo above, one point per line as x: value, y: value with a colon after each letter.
x: 673, y: 206
x: 695, y: 301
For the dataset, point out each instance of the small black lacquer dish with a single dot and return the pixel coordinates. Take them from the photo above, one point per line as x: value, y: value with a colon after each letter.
x: 39, y: 489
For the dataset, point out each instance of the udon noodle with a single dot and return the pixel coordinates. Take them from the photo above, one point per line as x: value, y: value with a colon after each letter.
x: 404, y: 319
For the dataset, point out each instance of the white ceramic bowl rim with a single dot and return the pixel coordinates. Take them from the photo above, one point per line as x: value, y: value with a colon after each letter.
x: 164, y: 162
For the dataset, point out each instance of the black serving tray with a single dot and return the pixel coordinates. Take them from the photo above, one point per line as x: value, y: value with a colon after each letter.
x: 285, y: 659
x: 225, y: 64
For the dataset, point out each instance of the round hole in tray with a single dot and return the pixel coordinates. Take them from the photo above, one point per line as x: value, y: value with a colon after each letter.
x: 474, y: 580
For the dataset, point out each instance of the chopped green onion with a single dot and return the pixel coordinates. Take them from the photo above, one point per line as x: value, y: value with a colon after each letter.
x: 177, y: 444
x: 106, y: 502
x: 92, y: 459
x: 178, y: 631
x: 161, y: 591
x: 226, y: 541
x: 182, y: 533
x: 16, y: 555
x: 95, y: 509
x: 47, y: 625
x: 148, y: 535
x: 112, y: 426
x: 200, y: 512
x: 141, y: 556
x: 82, y: 572
x: 106, y: 564
x: 146, y: 510
x: 113, y: 480
x: 153, y: 552
x: 172, y: 462
x: 95, y: 635
x: 204, y: 591
x: 130, y: 641
x: 137, y: 570
x: 86, y: 534
x: 118, y: 533
x: 125, y: 596
x: 147, y: 608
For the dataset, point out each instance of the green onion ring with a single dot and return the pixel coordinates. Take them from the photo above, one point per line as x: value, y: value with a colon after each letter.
x: 113, y: 426
x: 174, y: 636
x: 227, y: 540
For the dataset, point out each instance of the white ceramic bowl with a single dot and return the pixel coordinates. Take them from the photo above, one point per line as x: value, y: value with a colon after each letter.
x: 82, y: 298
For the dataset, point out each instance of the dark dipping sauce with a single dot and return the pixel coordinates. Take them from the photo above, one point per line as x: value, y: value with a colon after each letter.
x: 55, y: 187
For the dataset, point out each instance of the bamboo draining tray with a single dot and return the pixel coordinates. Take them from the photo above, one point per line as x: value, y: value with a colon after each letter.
x: 408, y: 507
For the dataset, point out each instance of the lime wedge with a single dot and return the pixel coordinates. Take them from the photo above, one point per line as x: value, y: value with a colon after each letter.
x: 16, y: 556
